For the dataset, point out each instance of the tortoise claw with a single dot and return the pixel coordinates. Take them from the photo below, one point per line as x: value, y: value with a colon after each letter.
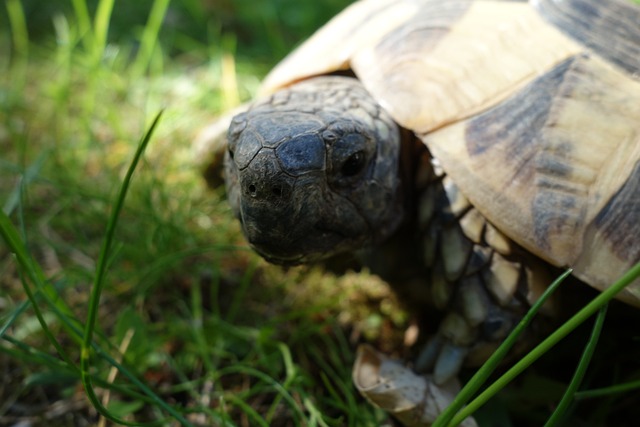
x: 442, y: 358
x: 449, y: 362
x: 427, y: 357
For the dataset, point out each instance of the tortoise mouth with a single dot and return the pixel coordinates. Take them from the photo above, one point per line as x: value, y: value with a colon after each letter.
x: 285, y: 262
x: 311, y: 245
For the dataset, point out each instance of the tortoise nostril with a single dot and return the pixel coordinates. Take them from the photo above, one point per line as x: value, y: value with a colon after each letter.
x: 276, y: 191
x: 256, y: 191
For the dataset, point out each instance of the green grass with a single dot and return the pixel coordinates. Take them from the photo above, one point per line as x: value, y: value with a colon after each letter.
x: 165, y: 314
x: 126, y: 290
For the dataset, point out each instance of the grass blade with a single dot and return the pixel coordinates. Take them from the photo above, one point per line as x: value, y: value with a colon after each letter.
x: 28, y: 176
x: 36, y: 276
x: 280, y: 390
x: 150, y: 36
x: 19, y: 31
x: 82, y: 17
x: 101, y: 28
x: 569, y: 394
x: 606, y: 391
x: 94, y: 299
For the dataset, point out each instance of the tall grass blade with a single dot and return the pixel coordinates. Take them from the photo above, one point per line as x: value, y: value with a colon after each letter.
x: 18, y: 28
x: 607, y: 391
x: 35, y: 275
x: 101, y: 28
x: 13, y: 317
x: 96, y: 291
x: 569, y: 394
x: 276, y: 386
x: 27, y: 177
x: 150, y: 36
x: 82, y: 17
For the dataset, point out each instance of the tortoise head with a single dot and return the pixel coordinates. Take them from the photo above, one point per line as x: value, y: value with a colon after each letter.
x: 313, y: 171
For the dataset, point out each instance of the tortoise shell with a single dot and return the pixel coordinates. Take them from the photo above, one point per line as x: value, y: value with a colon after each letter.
x: 532, y: 109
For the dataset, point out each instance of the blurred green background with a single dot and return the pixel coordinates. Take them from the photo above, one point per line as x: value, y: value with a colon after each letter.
x: 261, y: 31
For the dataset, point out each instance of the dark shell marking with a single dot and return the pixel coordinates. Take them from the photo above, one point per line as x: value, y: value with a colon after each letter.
x: 517, y: 121
x: 619, y: 220
x: 545, y: 150
x: 608, y: 27
x: 518, y: 125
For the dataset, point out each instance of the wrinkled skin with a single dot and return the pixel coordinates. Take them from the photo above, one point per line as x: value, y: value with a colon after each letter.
x: 312, y: 171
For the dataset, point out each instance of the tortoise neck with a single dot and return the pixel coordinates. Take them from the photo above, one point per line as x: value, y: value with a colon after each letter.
x: 416, y: 174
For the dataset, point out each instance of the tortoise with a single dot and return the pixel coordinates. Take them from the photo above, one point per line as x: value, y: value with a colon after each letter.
x: 460, y: 148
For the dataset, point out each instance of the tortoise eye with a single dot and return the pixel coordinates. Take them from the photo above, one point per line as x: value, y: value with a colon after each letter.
x: 231, y: 153
x: 354, y: 164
